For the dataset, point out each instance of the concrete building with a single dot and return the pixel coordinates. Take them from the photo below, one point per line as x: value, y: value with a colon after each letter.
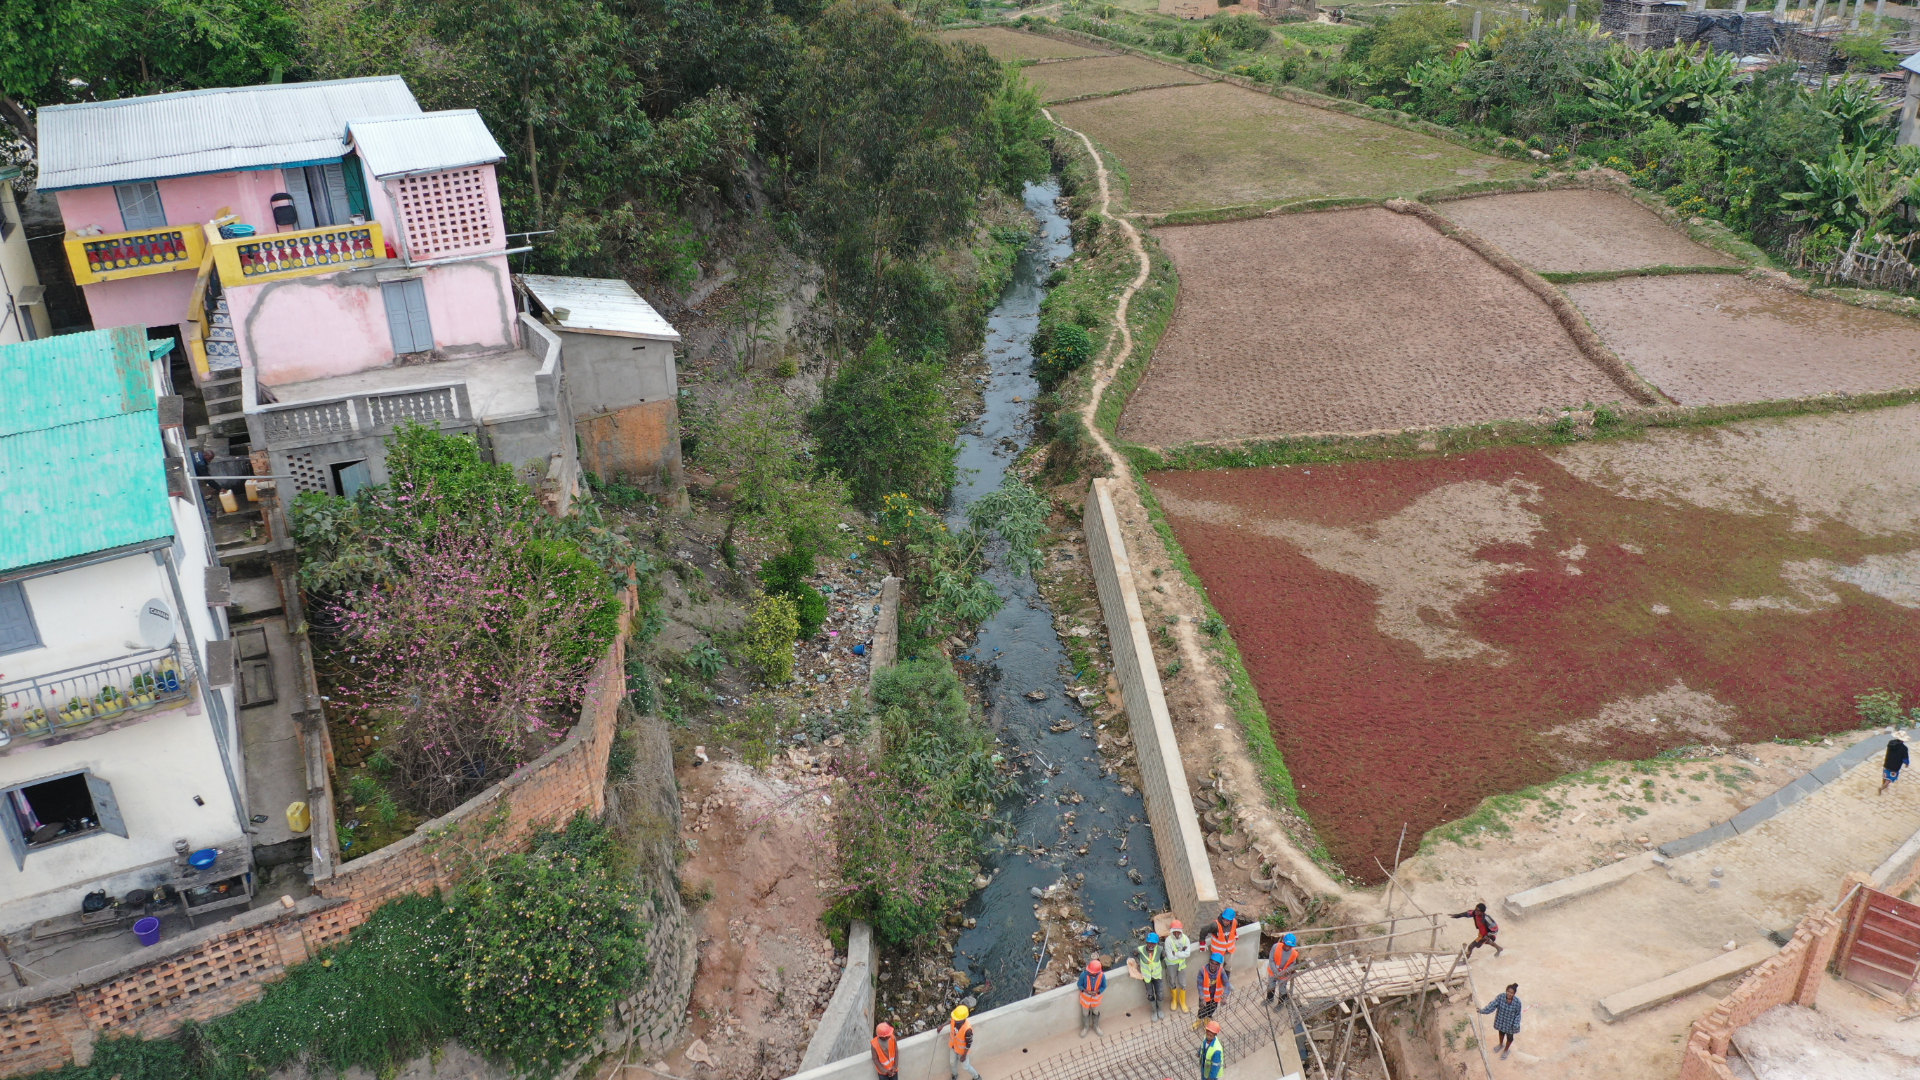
x: 621, y: 384
x: 333, y: 259
x: 25, y: 315
x: 118, y: 742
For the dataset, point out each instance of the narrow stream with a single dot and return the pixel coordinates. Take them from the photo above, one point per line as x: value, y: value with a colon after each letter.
x: 1022, y: 654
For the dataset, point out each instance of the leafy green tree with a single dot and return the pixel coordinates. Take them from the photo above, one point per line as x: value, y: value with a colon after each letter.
x: 753, y: 442
x: 884, y: 424
x: 1404, y: 40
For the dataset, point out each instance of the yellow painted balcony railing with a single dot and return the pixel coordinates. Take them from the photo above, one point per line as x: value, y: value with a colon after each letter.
x: 111, y: 256
x: 274, y: 256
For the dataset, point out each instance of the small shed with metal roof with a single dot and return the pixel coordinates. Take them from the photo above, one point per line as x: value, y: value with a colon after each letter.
x: 423, y: 143
x: 196, y: 132
x: 82, y: 469
x: 621, y: 380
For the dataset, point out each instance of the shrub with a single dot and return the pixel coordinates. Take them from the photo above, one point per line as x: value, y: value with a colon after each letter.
x: 552, y: 939
x: 770, y: 633
x: 1244, y: 32
x: 1881, y: 708
x: 898, y: 870
x: 786, y: 575
x: 1068, y: 348
x: 883, y: 424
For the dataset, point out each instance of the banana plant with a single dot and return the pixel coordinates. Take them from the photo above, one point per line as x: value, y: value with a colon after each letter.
x: 1863, y: 119
x: 1680, y: 84
x: 1857, y: 191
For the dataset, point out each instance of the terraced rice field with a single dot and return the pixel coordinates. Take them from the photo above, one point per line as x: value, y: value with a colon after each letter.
x: 1063, y: 80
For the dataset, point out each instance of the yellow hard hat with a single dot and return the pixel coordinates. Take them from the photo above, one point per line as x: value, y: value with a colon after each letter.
x: 959, y: 1012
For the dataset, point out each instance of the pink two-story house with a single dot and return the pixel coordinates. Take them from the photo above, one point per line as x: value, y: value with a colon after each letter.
x: 333, y: 260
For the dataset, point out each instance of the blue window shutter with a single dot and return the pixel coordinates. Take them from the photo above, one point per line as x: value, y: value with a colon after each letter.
x: 17, y: 631
x: 140, y: 205
x: 296, y: 181
x: 417, y: 314
x: 106, y: 809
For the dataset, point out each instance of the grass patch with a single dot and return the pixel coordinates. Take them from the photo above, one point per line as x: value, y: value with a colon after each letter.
x: 1579, y: 277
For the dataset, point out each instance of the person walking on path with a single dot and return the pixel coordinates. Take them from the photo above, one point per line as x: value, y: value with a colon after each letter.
x: 1286, y: 953
x: 1179, y: 947
x: 1093, y: 985
x: 960, y: 1045
x: 1506, y: 1017
x: 1215, y: 984
x: 1895, y: 761
x: 1213, y: 1057
x: 1152, y: 960
x: 886, y: 1053
x: 1484, y: 927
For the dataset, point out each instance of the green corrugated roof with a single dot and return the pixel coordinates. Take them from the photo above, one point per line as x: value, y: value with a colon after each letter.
x: 82, y: 468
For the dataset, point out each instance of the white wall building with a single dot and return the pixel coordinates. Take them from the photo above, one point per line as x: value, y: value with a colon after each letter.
x: 114, y: 742
x: 24, y: 317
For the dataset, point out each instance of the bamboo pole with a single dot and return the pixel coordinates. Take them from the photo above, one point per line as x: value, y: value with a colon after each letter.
x: 1473, y: 1014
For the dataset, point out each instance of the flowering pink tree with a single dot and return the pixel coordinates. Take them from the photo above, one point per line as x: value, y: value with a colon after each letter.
x: 475, y: 657
x: 900, y: 869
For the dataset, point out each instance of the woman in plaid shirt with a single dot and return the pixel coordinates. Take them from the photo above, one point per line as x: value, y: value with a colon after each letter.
x: 1506, y: 1016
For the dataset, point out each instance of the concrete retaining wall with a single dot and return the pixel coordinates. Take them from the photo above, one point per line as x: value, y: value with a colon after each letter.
x: 848, y: 1022
x: 1002, y: 1030
x: 1176, y: 827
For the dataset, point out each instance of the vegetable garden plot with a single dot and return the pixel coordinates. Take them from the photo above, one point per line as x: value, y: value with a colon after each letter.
x: 1576, y: 229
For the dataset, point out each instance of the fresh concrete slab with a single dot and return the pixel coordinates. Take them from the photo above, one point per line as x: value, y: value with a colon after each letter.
x: 1522, y: 904
x: 1685, y: 981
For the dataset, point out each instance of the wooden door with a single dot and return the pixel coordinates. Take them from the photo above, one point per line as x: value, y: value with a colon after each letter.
x: 1884, y: 948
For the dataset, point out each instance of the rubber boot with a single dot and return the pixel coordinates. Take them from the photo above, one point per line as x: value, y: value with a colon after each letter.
x: 1086, y: 1020
x: 1156, y: 1008
x: 1096, y: 1025
x: 1174, y: 994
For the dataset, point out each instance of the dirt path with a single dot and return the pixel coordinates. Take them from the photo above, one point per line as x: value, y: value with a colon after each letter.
x: 1210, y: 735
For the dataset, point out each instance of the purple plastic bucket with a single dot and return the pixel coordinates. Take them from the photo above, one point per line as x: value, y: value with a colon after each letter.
x: 147, y: 930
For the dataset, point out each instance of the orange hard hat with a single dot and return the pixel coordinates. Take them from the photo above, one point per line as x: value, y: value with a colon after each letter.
x: 1213, y: 1027
x: 885, y: 1031
x: 1093, y: 965
x: 1175, y: 925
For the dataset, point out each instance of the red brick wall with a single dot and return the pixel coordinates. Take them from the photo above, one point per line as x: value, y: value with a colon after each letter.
x: 1793, y: 976
x: 211, y: 972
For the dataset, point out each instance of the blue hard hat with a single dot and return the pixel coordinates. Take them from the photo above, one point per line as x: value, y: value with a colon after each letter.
x: 1292, y: 941
x: 1153, y: 938
x: 1219, y: 958
x: 1228, y: 915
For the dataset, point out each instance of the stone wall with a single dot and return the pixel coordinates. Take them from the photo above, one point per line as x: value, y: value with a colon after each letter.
x: 209, y: 972
x: 1176, y: 828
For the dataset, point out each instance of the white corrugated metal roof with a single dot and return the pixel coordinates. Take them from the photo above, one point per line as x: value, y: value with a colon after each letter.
x: 1911, y: 63
x: 598, y: 306
x: 208, y: 131
x: 423, y: 142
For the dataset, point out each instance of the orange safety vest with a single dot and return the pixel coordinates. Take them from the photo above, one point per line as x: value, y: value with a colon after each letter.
x: 1213, y: 983
x: 962, y: 1038
x: 1280, y: 964
x: 1225, y: 937
x: 886, y: 1056
x: 1092, y: 987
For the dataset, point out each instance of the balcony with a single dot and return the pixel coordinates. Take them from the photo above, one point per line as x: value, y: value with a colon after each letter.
x: 112, y: 256
x: 277, y: 256
x: 108, y: 693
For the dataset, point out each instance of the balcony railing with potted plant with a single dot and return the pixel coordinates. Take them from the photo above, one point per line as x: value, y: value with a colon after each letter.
x: 136, y: 253
x: 274, y: 256
x: 122, y: 688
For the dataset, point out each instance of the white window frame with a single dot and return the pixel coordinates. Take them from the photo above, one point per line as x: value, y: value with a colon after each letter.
x: 106, y: 811
x: 140, y: 206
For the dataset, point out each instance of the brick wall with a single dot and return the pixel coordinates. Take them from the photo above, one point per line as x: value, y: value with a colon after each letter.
x: 209, y: 972
x: 1793, y: 976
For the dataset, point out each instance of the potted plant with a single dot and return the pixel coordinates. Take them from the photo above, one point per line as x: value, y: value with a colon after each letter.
x: 143, y: 693
x: 35, y: 723
x: 75, y: 712
x: 109, y: 702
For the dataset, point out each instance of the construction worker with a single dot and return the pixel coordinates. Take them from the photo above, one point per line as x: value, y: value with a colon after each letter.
x: 1093, y: 985
x: 1226, y: 933
x: 1152, y: 970
x: 1212, y: 1054
x: 1286, y: 953
x: 1179, y: 947
x: 1215, y: 984
x: 959, y: 1045
x: 886, y: 1053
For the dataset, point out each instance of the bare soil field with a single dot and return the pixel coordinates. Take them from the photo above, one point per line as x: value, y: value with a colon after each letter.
x: 1191, y: 147
x: 1714, y: 340
x: 1014, y: 45
x: 1575, y: 229
x: 1100, y: 75
x: 1427, y: 633
x: 1404, y: 328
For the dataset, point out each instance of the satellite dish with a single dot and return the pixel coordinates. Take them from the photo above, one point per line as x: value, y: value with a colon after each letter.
x: 156, y: 624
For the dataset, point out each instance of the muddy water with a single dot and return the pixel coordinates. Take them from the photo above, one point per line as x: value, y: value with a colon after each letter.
x: 1019, y: 653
